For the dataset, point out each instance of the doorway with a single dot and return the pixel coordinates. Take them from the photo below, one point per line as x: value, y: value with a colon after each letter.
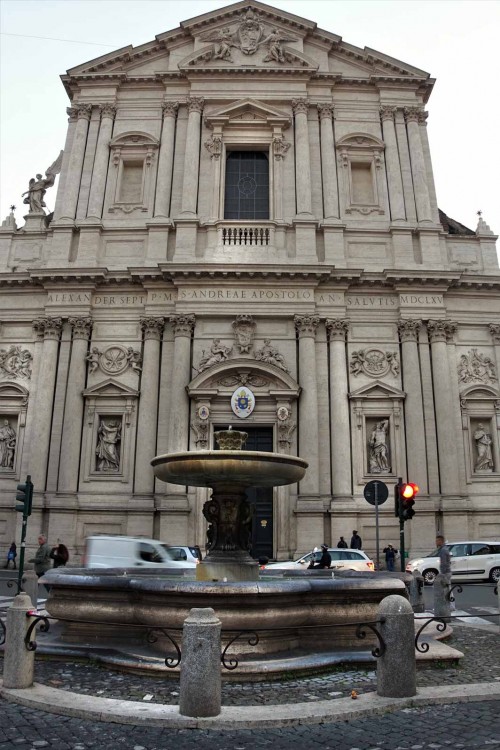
x: 260, y: 498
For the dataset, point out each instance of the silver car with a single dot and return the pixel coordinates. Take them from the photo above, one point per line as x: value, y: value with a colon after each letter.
x: 342, y: 559
x: 470, y: 561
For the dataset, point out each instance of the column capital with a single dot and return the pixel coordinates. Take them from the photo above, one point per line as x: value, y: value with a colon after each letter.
x: 107, y: 110
x: 412, y: 114
x: 337, y: 328
x: 81, y: 327
x: 195, y: 104
x: 83, y: 111
x: 183, y: 325
x: 152, y: 327
x: 408, y: 329
x: 441, y: 330
x: 300, y: 106
x: 72, y: 113
x: 325, y: 111
x: 422, y: 117
x: 306, y: 325
x: 387, y: 113
x: 169, y: 109
x: 47, y: 328
x: 495, y: 332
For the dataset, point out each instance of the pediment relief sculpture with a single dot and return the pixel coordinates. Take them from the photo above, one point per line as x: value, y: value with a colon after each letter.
x: 271, y: 356
x: 218, y: 353
x: 374, y: 362
x: 475, y: 367
x: 16, y: 362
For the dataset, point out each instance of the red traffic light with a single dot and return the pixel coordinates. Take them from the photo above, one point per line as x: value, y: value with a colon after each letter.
x: 409, y: 491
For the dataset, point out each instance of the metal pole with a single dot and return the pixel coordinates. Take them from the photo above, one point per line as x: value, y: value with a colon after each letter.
x: 26, y: 512
x: 376, y: 527
x: 401, y: 528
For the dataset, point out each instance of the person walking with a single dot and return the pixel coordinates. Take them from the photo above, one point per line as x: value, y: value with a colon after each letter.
x: 60, y: 555
x: 42, y: 556
x: 342, y: 543
x: 11, y: 556
x: 390, y: 556
x: 356, y: 542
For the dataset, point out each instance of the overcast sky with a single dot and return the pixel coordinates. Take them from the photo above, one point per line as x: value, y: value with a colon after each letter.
x: 455, y: 41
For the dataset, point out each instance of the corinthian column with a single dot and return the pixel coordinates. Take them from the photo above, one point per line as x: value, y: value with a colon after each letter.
x: 166, y: 160
x: 328, y: 163
x: 414, y: 410
x: 73, y: 410
x: 183, y: 326
x: 192, y: 157
x: 50, y: 328
x: 148, y: 405
x: 302, y: 157
x: 418, y: 170
x: 74, y: 174
x: 306, y: 326
x: 339, y: 410
x: 447, y: 437
x: 100, y: 168
x: 394, y: 181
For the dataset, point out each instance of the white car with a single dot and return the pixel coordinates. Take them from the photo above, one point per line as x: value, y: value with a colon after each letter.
x: 470, y: 561
x: 342, y: 559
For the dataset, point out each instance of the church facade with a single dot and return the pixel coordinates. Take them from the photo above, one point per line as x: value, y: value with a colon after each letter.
x: 246, y: 232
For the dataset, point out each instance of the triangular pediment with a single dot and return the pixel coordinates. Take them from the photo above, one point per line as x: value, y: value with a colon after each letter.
x: 247, y: 111
x: 377, y: 390
x: 111, y: 388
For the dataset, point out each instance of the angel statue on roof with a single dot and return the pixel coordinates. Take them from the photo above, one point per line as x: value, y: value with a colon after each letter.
x: 223, y: 41
x: 38, y: 187
x: 274, y: 48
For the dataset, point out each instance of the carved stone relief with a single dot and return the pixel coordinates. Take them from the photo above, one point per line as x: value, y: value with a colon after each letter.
x: 475, y: 367
x: 200, y: 428
x: 218, y: 353
x: 244, y: 330
x: 374, y: 362
x: 114, y: 360
x: 15, y: 362
x: 286, y: 428
x: 271, y: 356
x: 255, y: 381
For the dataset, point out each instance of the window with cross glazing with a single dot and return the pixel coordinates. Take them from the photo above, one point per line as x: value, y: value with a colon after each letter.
x: 247, y: 186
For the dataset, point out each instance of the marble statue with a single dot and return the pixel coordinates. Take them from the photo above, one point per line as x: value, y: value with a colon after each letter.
x: 483, y: 445
x: 379, y: 461
x: 108, y: 448
x: 38, y: 187
x: 218, y: 353
x: 7, y: 445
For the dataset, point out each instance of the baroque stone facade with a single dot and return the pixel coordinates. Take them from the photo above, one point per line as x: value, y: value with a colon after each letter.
x: 246, y: 232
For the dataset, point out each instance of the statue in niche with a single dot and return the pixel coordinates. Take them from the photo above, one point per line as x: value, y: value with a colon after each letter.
x: 218, y: 353
x: 7, y: 445
x: 483, y: 446
x: 379, y: 455
x: 38, y: 187
x: 108, y: 445
x: 271, y: 355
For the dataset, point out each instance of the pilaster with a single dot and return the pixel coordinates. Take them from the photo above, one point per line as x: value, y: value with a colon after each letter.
x: 337, y: 330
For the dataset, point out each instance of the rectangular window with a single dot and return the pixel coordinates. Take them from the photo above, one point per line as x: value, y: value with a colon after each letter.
x: 362, y: 184
x: 247, y: 186
x: 131, y: 182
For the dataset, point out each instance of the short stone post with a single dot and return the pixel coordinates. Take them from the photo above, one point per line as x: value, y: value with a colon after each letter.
x: 29, y: 584
x: 442, y: 604
x: 19, y: 663
x: 396, y: 668
x: 200, y: 684
x: 417, y: 593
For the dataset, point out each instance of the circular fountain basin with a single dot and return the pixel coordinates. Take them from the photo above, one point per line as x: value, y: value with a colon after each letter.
x: 241, y: 468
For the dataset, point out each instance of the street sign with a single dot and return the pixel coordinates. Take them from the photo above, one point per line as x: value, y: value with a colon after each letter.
x: 376, y: 489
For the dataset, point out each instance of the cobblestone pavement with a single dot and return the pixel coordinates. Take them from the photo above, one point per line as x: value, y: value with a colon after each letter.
x: 465, y: 725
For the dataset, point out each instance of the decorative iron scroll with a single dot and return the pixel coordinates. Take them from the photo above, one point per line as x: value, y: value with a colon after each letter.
x: 252, y: 640
x: 14, y: 582
x: 170, y: 661
x: 3, y: 632
x: 441, y: 627
x: 379, y: 650
x: 44, y: 628
x: 449, y: 595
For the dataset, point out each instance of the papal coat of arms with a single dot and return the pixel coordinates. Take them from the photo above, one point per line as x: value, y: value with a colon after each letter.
x: 242, y: 402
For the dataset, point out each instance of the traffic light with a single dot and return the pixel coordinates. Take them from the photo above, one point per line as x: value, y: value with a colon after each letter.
x: 24, y: 495
x: 407, y: 494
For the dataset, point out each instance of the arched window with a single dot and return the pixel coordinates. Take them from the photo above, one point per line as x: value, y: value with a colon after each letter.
x: 247, y: 185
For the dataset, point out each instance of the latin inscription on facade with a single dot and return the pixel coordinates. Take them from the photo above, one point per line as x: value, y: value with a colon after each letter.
x: 248, y: 294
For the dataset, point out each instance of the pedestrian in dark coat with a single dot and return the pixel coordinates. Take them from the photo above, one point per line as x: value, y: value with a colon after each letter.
x: 356, y: 542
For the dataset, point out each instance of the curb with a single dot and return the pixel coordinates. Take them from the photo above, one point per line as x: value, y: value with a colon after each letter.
x: 65, y: 703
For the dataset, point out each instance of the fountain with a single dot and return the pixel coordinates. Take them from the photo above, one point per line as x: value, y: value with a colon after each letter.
x: 229, y: 472
x: 294, y: 615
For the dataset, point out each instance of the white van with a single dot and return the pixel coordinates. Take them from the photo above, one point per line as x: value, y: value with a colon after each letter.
x: 470, y: 561
x: 130, y: 552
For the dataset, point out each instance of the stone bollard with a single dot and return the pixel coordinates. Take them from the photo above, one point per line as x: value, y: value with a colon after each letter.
x: 19, y: 663
x: 396, y: 669
x: 416, y: 590
x: 200, y: 684
x: 442, y: 605
x: 29, y: 584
